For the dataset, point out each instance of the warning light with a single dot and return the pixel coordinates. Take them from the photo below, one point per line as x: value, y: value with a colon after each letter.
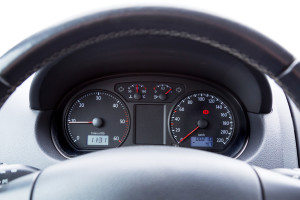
x: 205, y: 112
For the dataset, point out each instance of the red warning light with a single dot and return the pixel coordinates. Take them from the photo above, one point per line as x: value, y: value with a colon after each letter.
x: 205, y: 112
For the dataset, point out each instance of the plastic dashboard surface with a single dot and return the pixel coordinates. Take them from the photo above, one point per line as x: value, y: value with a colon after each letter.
x: 159, y: 110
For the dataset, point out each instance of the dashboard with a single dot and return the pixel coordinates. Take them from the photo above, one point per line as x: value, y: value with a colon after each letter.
x: 149, y: 91
x: 41, y: 140
x: 153, y: 89
x: 169, y: 110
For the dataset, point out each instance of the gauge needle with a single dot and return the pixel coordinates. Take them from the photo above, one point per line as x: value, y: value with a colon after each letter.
x: 80, y: 122
x: 168, y: 91
x: 189, y: 134
x: 137, y: 88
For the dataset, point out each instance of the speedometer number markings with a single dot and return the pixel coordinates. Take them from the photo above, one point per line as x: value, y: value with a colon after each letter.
x: 202, y: 120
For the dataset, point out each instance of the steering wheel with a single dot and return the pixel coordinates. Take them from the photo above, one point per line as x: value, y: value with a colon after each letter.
x: 151, y: 172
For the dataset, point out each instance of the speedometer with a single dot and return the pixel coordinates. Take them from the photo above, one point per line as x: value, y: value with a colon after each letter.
x: 204, y: 121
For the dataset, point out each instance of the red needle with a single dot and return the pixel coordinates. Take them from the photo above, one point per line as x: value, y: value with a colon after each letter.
x: 189, y: 134
x: 137, y: 88
x: 168, y: 91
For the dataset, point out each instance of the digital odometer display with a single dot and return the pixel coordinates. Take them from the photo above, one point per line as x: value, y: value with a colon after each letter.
x: 202, y: 120
x: 97, y: 140
x: 202, y: 142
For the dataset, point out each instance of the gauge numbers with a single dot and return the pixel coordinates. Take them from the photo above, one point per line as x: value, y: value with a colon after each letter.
x: 202, y: 120
x: 96, y: 120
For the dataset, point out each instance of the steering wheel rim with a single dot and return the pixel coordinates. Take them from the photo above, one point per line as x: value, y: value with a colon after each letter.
x: 48, y: 47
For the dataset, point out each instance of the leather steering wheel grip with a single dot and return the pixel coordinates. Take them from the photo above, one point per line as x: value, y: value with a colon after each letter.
x: 151, y: 172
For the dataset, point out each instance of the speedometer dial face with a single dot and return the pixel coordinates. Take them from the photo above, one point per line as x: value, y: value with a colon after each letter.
x: 203, y: 121
x: 96, y: 120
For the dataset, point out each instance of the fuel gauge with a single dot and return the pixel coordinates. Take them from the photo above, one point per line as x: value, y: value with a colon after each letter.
x: 162, y: 92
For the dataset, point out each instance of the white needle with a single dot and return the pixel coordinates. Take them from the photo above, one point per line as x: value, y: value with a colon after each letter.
x: 80, y: 122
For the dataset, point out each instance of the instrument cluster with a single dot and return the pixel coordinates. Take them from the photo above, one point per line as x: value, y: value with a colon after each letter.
x: 150, y: 110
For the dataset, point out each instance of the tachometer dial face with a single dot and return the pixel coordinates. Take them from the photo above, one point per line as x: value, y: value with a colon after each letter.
x: 96, y: 120
x: 203, y: 121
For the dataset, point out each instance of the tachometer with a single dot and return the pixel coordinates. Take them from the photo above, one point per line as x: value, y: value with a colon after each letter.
x: 96, y: 120
x: 203, y: 121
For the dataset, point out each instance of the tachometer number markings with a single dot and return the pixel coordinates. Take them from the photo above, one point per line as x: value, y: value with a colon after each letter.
x: 93, y: 117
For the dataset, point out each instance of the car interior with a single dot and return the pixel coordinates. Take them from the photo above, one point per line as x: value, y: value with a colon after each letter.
x: 149, y: 103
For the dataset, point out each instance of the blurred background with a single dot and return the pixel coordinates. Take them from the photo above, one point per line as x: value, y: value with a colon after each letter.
x: 279, y: 20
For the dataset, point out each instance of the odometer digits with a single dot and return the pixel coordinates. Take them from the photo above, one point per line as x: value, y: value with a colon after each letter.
x: 96, y: 120
x: 203, y: 121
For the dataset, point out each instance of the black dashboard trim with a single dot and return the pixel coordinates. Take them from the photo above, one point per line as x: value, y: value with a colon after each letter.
x: 162, y: 55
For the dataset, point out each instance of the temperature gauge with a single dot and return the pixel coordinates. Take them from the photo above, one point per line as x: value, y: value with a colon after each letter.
x: 137, y: 91
x: 132, y: 91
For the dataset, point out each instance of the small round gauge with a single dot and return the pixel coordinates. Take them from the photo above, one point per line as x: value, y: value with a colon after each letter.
x: 162, y: 91
x: 96, y: 120
x: 137, y: 91
x: 203, y: 121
